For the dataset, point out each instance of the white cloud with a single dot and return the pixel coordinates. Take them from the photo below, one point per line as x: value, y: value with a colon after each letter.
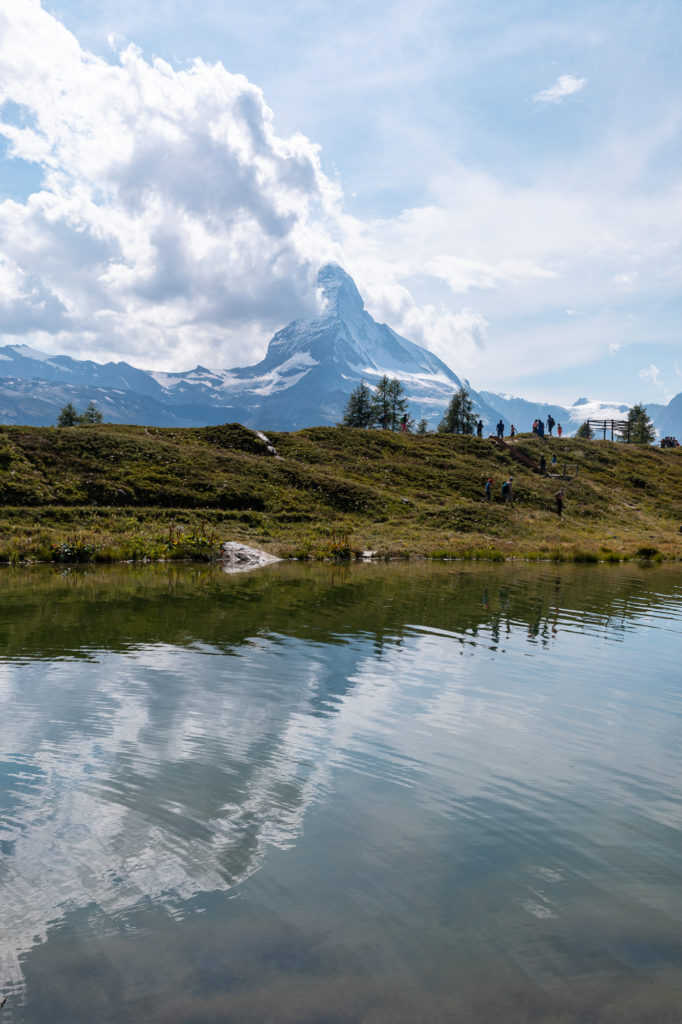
x: 565, y: 85
x: 172, y: 217
x: 653, y: 374
x: 628, y: 277
x: 614, y: 347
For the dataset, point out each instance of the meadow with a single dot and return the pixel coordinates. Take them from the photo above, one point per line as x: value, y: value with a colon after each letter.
x: 105, y: 492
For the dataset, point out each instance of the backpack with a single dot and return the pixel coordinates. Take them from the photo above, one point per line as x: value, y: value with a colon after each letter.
x: 505, y: 489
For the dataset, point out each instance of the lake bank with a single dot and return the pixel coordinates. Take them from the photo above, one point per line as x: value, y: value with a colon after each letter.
x: 120, y: 493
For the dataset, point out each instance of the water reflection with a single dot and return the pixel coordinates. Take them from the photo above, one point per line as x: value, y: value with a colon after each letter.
x: 453, y: 778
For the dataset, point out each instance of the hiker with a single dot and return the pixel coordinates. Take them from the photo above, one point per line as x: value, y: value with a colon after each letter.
x: 543, y: 465
x: 559, y: 430
x: 559, y: 498
x: 512, y: 430
x: 500, y: 429
x: 541, y: 428
x: 489, y: 489
x: 508, y: 491
x: 535, y: 426
x: 479, y: 428
x: 550, y: 424
x: 554, y: 460
x: 403, y: 422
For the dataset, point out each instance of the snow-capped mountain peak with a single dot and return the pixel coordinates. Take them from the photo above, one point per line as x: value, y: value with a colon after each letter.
x: 342, y: 298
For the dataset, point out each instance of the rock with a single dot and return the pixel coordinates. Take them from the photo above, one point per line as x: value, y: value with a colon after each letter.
x: 240, y: 558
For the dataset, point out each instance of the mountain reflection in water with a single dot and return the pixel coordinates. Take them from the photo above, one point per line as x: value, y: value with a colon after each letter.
x: 373, y: 793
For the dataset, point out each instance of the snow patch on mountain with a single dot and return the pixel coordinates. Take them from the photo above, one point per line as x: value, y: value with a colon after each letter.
x: 590, y: 409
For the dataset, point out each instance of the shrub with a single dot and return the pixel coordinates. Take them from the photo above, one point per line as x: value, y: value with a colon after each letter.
x: 646, y: 552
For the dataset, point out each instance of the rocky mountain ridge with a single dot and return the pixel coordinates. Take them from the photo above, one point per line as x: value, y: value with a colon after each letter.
x: 305, y: 378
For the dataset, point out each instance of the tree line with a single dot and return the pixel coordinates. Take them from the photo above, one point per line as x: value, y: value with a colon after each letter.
x: 386, y: 407
x: 70, y: 417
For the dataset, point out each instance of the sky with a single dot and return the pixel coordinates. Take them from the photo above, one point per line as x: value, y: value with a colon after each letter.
x: 503, y: 180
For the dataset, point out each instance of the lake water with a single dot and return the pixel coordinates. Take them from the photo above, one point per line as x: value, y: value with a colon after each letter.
x: 317, y: 795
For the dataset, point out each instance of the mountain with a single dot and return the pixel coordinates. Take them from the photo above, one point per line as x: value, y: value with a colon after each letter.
x: 522, y: 412
x: 310, y: 368
x: 308, y: 372
x: 312, y: 365
x: 668, y: 418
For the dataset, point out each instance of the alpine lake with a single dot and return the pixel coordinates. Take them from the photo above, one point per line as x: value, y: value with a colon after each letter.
x: 364, y: 794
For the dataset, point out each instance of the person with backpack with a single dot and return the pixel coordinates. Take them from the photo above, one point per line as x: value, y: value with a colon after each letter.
x: 550, y: 424
x: 489, y: 489
x: 508, y: 491
x: 559, y: 498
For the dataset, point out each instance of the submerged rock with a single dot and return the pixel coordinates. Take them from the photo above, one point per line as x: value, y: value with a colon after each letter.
x: 239, y: 558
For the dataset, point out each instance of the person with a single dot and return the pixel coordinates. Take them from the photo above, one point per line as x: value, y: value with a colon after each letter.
x: 559, y: 430
x: 543, y: 465
x: 512, y: 430
x: 489, y: 489
x: 541, y: 429
x: 508, y: 491
x: 554, y: 460
x: 403, y: 422
x: 479, y: 428
x: 500, y: 429
x: 550, y: 424
x: 559, y: 498
x: 535, y: 426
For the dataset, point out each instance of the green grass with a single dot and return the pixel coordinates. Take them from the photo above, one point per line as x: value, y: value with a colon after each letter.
x: 117, y: 492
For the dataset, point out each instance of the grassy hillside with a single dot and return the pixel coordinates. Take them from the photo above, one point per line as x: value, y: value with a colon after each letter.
x: 104, y: 492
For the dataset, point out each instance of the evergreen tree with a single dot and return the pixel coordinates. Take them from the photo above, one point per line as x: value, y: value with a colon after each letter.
x: 68, y: 416
x: 359, y: 411
x: 641, y: 429
x: 91, y: 414
x: 397, y: 403
x: 585, y: 431
x: 423, y: 426
x: 459, y: 416
x: 381, y: 403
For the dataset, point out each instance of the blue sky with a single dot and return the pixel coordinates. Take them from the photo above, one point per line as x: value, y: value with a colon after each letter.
x: 501, y: 179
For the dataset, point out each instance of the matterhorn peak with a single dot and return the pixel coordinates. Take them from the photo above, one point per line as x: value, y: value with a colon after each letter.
x: 339, y: 290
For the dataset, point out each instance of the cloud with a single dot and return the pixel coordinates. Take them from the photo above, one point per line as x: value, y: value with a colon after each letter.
x: 653, y: 374
x: 565, y: 85
x: 628, y: 277
x: 171, y: 216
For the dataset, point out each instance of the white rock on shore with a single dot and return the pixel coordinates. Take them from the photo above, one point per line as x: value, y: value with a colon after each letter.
x: 240, y: 558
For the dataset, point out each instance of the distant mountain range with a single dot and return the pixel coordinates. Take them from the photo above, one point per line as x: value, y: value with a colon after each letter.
x: 309, y: 370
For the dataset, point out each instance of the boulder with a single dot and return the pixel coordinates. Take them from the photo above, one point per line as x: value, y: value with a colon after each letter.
x: 239, y: 558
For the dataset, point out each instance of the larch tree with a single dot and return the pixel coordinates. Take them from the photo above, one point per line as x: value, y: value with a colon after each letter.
x: 359, y: 411
x: 459, y: 416
x: 640, y: 428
